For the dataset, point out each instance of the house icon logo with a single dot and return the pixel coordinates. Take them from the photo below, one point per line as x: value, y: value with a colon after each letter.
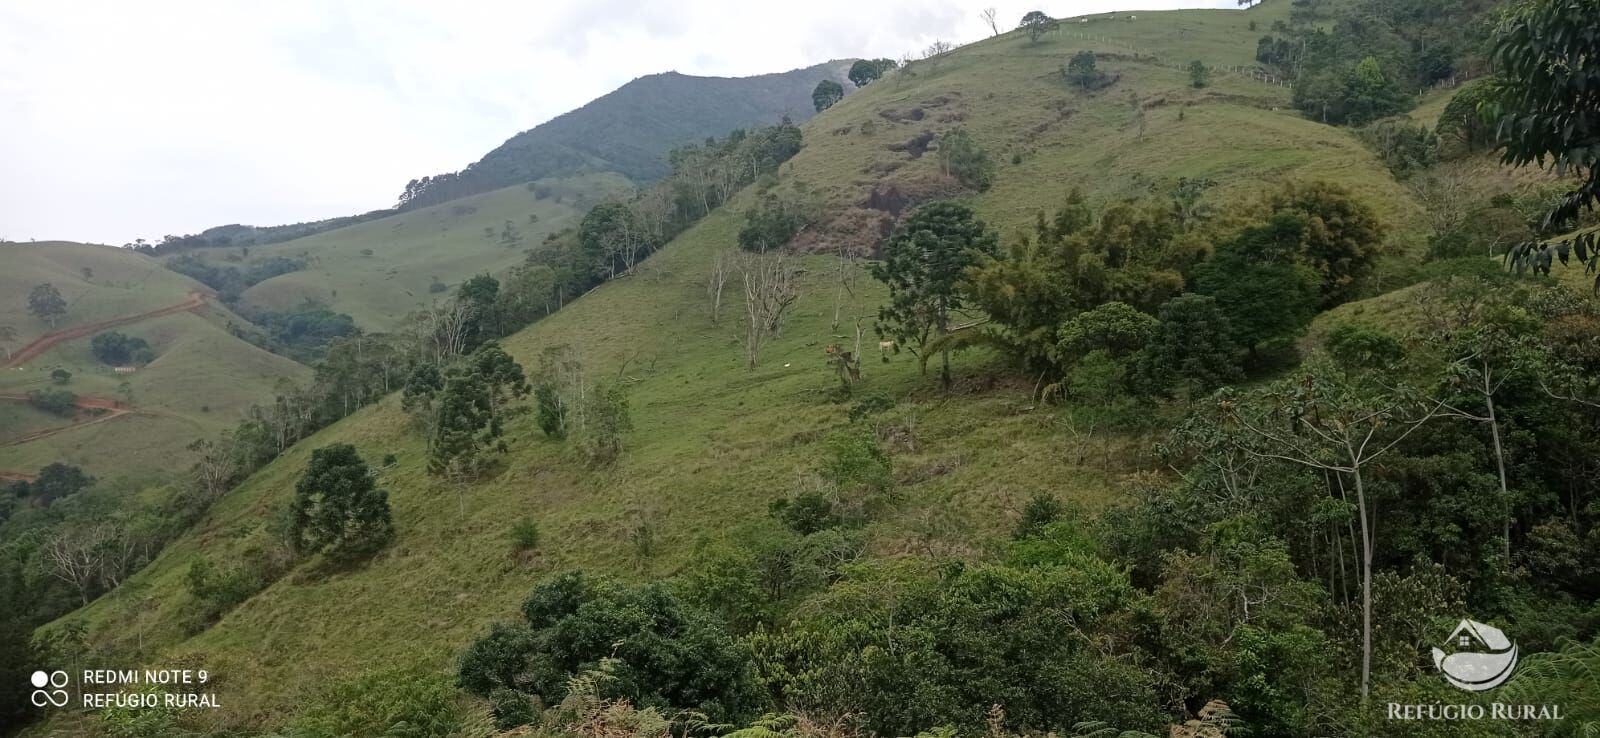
x: 1482, y: 658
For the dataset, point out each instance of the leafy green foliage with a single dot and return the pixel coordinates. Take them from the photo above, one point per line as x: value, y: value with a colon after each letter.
x: 1037, y: 24
x: 57, y: 401
x: 1083, y: 70
x: 1405, y: 147
x: 825, y: 94
x: 1266, y: 294
x: 511, y: 709
x: 1192, y: 350
x: 1042, y: 510
x: 923, y: 265
x: 865, y: 71
x: 774, y: 220
x: 1199, y: 74
x: 118, y: 349
x: 45, y: 303
x: 391, y: 702
x: 1463, y: 127
x: 961, y: 157
x: 605, y: 420
x: 338, y: 509
x: 1548, y: 64
x: 668, y: 653
x: 1354, y: 95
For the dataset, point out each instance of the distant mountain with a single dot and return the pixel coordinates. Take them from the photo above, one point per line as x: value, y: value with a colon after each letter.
x: 631, y: 130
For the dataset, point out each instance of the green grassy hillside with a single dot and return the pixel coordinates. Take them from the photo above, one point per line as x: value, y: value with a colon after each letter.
x: 713, y: 443
x: 1128, y: 140
x: 202, y: 379
x: 379, y: 271
x: 118, y: 282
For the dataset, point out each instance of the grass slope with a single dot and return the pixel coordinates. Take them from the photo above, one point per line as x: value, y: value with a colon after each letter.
x: 714, y: 443
x: 202, y: 380
x: 379, y: 271
x: 1009, y: 93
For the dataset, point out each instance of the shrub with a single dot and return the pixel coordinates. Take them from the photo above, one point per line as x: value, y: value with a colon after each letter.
x: 61, y: 376
x: 511, y: 709
x: 56, y: 401
x: 605, y: 419
x: 117, y: 349
x: 1042, y: 510
x: 525, y: 535
x: 805, y: 513
x: 963, y: 159
x: 396, y: 702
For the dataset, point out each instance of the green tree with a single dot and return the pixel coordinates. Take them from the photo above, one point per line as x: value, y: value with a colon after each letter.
x: 1548, y: 62
x: 1462, y: 126
x: 962, y: 158
x: 1266, y: 294
x: 60, y: 376
x: 1115, y: 328
x: 605, y: 419
x: 58, y: 401
x: 1199, y: 74
x: 1339, y: 237
x: 826, y: 93
x: 1192, y: 351
x: 479, y: 296
x: 45, y: 303
x: 924, y: 264
x: 668, y: 653
x: 1042, y: 510
x: 865, y: 71
x: 338, y: 509
x: 466, y: 431
x: 58, y: 480
x: 118, y: 349
x: 1037, y: 24
x: 1083, y: 70
x: 1340, y: 423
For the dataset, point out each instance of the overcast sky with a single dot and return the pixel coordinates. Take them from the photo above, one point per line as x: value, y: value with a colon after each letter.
x: 127, y: 119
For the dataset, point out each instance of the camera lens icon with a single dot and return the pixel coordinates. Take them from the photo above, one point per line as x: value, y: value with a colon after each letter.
x: 54, y: 696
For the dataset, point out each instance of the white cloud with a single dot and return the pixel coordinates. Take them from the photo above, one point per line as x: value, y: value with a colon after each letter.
x: 121, y: 120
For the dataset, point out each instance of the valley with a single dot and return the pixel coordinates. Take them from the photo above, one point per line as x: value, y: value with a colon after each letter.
x: 1080, y: 380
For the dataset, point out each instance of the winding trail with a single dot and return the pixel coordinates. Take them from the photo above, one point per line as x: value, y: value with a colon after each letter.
x: 43, y: 343
x: 113, y: 410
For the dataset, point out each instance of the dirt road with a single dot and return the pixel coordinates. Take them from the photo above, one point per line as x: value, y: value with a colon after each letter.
x: 112, y: 408
x: 31, y: 351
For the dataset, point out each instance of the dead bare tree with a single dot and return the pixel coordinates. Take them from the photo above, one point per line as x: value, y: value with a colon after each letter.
x: 770, y: 290
x: 715, y: 281
x: 76, y: 557
x: 214, y: 468
x: 847, y: 284
x: 988, y: 16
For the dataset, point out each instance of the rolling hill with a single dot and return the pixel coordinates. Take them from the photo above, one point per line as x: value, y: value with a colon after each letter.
x: 631, y: 129
x: 714, y: 444
x: 379, y: 271
x: 201, y: 380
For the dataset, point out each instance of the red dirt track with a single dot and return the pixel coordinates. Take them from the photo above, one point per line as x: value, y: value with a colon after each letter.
x: 31, y: 351
x: 114, y: 410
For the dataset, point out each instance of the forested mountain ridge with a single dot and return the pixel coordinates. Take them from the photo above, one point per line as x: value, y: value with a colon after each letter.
x: 736, y: 478
x: 631, y: 129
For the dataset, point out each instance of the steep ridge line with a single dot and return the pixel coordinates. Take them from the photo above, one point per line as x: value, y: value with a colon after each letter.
x: 43, y: 343
x: 113, y: 410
